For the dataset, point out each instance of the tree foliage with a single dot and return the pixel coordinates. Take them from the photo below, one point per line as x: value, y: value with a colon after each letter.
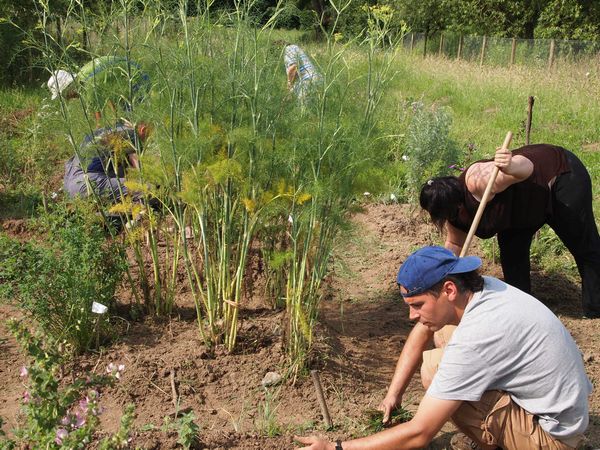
x: 528, y: 19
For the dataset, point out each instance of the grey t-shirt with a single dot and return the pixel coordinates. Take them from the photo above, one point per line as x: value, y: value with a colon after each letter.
x: 509, y: 341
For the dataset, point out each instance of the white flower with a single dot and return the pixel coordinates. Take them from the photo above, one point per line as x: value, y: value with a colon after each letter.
x: 393, y: 197
x: 366, y: 194
x: 115, y: 370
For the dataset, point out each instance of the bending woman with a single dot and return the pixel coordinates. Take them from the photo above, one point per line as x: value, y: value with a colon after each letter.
x: 537, y: 184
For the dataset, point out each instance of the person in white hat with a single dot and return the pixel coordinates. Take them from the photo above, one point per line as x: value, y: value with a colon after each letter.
x: 107, y: 80
x: 59, y: 81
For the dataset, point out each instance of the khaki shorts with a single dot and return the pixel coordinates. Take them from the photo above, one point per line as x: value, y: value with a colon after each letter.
x: 495, y: 420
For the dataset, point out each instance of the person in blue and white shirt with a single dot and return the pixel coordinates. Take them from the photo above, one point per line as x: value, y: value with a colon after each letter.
x: 301, y: 72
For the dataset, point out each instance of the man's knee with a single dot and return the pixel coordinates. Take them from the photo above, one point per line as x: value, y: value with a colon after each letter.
x: 442, y: 336
x: 431, y: 361
x: 432, y: 358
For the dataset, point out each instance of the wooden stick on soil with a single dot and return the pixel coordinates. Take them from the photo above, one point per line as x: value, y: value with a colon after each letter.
x: 325, y: 411
x: 173, y: 389
x: 484, y: 199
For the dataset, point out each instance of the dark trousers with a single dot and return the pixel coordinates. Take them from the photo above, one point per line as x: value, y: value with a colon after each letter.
x: 573, y: 221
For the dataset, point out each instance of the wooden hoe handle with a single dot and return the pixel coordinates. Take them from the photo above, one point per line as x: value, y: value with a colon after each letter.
x: 484, y: 199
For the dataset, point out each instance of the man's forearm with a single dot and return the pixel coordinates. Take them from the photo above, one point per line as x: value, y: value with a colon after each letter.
x: 418, y: 341
x: 404, y: 436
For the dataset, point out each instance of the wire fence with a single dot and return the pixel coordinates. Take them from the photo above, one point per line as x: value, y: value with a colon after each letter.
x: 497, y: 51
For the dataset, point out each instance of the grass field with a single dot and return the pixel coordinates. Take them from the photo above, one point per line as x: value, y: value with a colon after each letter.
x: 486, y: 102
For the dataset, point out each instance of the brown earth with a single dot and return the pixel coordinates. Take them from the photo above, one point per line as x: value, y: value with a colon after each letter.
x: 363, y: 325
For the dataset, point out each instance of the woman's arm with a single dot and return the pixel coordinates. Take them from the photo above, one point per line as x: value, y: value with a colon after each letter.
x: 513, y: 169
x: 133, y: 160
x: 292, y: 71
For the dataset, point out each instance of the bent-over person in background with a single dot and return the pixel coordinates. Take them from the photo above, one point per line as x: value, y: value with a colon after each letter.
x: 302, y: 75
x: 537, y: 184
x: 100, y: 164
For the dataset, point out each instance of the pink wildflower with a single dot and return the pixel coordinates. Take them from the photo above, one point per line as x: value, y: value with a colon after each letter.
x: 61, y: 434
x: 79, y: 419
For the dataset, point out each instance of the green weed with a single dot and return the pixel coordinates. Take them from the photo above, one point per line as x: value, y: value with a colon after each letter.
x: 187, y: 430
x: 375, y: 423
x: 266, y: 423
x: 56, y: 283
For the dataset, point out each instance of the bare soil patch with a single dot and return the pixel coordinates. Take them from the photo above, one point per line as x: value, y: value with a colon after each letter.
x: 363, y: 325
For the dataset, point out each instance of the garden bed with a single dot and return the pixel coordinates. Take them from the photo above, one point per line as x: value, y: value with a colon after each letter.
x: 363, y: 325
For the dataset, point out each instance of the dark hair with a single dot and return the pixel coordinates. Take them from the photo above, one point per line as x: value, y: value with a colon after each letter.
x: 441, y: 197
x: 468, y: 281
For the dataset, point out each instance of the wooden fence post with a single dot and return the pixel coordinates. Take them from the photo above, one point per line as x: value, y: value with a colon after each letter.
x: 441, y: 49
x: 412, y: 41
x: 551, y: 55
x: 529, y: 118
x: 425, y: 44
x: 460, y: 45
x: 483, y: 44
x: 513, y: 51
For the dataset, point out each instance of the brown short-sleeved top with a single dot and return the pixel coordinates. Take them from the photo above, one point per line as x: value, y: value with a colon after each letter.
x: 523, y: 205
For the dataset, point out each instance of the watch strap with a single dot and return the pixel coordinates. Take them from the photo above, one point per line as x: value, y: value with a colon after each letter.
x: 338, y: 445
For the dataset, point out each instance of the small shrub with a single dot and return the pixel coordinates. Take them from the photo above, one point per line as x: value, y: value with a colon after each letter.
x: 58, y: 283
x: 429, y: 149
x: 187, y: 430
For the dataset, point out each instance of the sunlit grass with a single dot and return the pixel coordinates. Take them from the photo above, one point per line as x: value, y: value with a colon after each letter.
x: 488, y: 101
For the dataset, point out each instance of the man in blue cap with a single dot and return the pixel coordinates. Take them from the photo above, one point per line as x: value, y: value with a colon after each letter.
x: 509, y: 376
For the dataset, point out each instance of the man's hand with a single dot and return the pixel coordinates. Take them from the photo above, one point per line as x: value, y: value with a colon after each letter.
x: 314, y: 443
x: 388, y: 404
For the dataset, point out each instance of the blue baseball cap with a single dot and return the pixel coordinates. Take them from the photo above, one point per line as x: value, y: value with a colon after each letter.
x: 429, y: 265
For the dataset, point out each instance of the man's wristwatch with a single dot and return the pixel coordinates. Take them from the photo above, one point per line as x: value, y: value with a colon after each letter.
x: 338, y: 445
